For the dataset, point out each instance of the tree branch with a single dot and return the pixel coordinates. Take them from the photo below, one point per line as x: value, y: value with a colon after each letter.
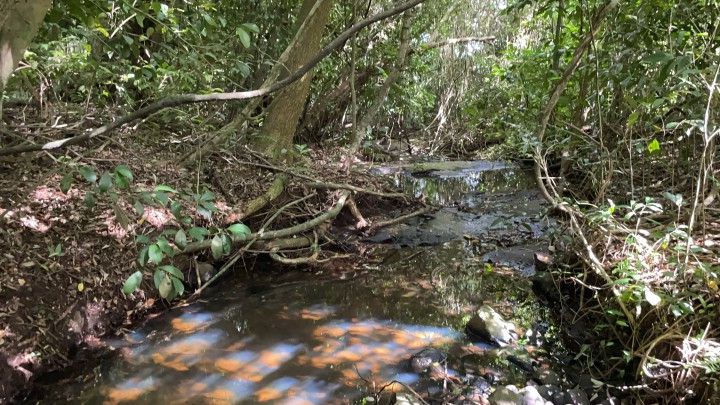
x: 174, y: 101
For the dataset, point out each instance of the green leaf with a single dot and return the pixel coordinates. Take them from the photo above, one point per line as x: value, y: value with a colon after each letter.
x: 66, y: 183
x: 164, y: 245
x: 164, y: 188
x: 239, y: 229
x: 139, y: 208
x: 251, y: 27
x: 658, y: 58
x: 105, y: 183
x: 124, y: 171
x: 132, y: 283
x: 216, y: 246
x: 162, y: 198
x: 198, y: 233
x: 121, y: 181
x: 178, y: 285
x: 654, y: 146
x: 143, y: 256
x: 166, y: 287
x: 155, y: 254
x: 181, y: 239
x: 243, y: 36
x: 142, y: 239
x: 89, y: 199
x: 88, y: 173
x: 158, y: 277
x: 172, y: 270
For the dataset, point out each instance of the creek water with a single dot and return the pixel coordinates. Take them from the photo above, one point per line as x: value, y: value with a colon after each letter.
x: 308, y: 338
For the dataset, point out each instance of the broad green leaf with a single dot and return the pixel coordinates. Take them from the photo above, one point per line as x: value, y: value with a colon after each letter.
x: 243, y: 36
x: 66, y: 183
x: 155, y: 254
x: 172, y: 270
x: 88, y: 173
x: 165, y: 246
x: 178, y: 285
x: 166, y: 286
x: 158, y: 277
x: 132, y: 283
x: 198, y: 233
x: 251, y: 27
x: 124, y: 171
x: 121, y: 181
x: 216, y: 246
x: 181, y: 239
x: 89, y: 199
x: 162, y: 198
x: 239, y: 229
x: 139, y: 208
x: 653, y: 146
x: 105, y: 183
x: 658, y: 58
x: 144, y: 239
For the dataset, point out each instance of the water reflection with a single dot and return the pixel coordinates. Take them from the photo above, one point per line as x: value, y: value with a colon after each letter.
x: 447, y: 188
x: 323, y: 348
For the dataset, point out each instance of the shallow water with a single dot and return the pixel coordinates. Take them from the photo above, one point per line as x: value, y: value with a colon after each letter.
x: 312, y: 340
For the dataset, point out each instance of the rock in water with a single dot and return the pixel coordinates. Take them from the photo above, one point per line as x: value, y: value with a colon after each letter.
x: 423, y: 359
x: 490, y: 326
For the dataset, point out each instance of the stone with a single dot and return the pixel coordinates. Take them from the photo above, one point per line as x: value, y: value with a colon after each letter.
x: 406, y: 399
x: 490, y: 326
x: 543, y: 261
x: 422, y: 360
x: 508, y: 395
x: 479, y: 389
x: 549, y: 391
x: 548, y: 377
x: 531, y: 396
x: 576, y: 396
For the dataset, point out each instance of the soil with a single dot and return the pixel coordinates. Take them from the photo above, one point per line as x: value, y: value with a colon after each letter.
x: 64, y: 262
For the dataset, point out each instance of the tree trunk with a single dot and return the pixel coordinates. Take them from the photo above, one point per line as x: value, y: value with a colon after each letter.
x: 284, y: 111
x: 363, y: 127
x: 19, y: 22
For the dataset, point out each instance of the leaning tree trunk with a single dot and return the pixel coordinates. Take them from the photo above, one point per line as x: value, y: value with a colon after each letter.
x: 284, y: 111
x: 19, y: 22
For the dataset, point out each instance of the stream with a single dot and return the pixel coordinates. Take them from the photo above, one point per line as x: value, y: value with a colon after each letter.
x: 298, y: 337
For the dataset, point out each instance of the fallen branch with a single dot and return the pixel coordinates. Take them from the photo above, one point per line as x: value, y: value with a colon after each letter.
x: 281, y: 233
x: 397, y: 220
x: 174, y: 101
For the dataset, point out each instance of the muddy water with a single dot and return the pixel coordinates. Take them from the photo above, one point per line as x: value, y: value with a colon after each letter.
x: 312, y: 340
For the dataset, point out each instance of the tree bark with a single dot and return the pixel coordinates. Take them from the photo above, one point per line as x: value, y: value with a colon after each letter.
x: 19, y: 22
x: 284, y: 111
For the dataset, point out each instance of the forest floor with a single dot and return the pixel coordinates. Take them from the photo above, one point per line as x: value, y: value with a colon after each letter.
x: 66, y: 254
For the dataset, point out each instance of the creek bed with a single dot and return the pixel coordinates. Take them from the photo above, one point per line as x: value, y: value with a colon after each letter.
x: 309, y: 339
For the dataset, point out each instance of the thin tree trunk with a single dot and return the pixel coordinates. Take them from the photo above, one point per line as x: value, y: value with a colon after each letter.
x: 363, y: 127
